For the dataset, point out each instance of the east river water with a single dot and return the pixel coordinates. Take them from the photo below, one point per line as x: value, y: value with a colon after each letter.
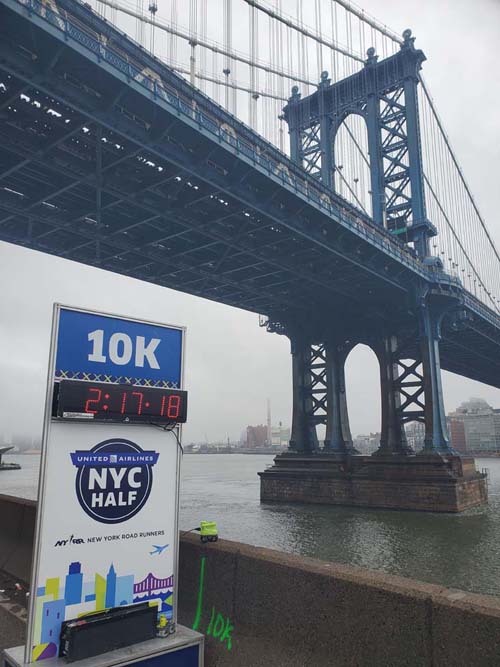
x: 459, y: 551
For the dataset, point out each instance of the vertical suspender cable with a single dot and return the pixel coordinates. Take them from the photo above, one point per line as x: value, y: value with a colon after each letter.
x: 254, y: 73
x: 172, y: 56
x: 139, y: 28
x: 281, y: 83
x: 203, y: 32
x: 227, y: 45
x: 193, y: 19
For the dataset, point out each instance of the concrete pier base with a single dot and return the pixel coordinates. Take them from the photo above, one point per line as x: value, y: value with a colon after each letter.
x: 430, y: 483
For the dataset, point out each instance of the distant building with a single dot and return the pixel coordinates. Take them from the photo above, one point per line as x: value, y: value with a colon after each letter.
x: 367, y: 444
x: 415, y: 435
x: 257, y: 436
x: 456, y: 428
x: 482, y: 432
x: 280, y: 436
x: 475, y: 427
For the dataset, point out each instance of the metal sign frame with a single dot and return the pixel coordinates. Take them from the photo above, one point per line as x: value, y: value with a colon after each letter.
x: 57, y: 309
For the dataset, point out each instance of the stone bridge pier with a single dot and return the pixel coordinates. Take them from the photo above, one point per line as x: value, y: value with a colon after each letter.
x: 435, y: 479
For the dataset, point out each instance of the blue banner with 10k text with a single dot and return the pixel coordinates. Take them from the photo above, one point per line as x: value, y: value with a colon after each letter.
x: 110, y: 349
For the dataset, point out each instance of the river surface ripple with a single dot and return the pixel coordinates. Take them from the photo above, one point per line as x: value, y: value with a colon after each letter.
x: 459, y: 551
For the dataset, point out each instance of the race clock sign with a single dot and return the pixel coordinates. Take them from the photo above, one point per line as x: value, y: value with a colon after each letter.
x: 107, y: 515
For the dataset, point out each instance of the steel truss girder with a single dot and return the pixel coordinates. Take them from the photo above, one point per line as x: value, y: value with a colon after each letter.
x: 148, y: 147
x: 51, y: 92
x: 409, y: 380
x: 152, y: 137
x: 315, y: 388
x: 395, y: 158
x: 89, y: 178
x: 310, y: 150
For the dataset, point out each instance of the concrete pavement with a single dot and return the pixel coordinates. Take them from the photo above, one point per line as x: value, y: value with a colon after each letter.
x: 12, y: 630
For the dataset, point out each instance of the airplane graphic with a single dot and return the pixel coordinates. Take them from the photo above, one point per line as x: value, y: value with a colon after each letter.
x: 158, y: 549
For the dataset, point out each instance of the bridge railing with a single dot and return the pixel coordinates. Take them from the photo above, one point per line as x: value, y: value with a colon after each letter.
x: 277, y: 165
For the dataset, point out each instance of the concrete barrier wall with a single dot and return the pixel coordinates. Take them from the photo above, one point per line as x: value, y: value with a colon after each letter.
x: 17, y: 528
x: 259, y: 608
x: 294, y: 611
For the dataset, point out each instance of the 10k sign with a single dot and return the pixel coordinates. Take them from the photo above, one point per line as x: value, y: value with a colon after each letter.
x: 109, y: 349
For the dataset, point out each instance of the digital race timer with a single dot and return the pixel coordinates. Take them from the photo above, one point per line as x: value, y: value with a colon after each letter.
x: 100, y: 401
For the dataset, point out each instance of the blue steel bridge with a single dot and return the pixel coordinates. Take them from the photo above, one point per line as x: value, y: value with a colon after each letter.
x: 110, y: 158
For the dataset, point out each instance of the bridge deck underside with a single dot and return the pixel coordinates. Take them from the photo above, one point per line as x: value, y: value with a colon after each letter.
x: 93, y: 170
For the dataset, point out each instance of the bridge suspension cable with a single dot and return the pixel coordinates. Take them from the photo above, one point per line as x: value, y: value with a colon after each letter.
x: 281, y: 49
x: 369, y: 20
x: 463, y: 243
x: 212, y: 46
x: 300, y: 28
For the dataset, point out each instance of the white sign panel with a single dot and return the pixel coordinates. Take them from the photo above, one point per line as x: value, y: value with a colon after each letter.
x: 107, y: 519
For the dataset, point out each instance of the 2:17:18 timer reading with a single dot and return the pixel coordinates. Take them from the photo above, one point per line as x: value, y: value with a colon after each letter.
x: 123, y: 403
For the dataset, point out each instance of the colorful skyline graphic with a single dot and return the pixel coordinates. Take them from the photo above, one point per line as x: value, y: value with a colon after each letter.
x: 58, y: 601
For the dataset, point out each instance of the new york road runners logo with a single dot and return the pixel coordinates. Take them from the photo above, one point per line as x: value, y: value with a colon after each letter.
x: 113, y: 479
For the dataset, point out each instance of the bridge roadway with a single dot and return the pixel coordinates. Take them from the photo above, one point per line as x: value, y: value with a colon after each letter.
x: 109, y: 158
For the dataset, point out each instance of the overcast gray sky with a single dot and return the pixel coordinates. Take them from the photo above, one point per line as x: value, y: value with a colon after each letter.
x: 232, y: 365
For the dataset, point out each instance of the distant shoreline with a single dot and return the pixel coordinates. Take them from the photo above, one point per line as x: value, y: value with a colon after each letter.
x: 238, y: 451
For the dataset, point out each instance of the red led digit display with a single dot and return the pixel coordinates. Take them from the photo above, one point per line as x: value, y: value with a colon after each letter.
x: 123, y: 403
x: 174, y: 406
x: 91, y: 402
x: 171, y: 406
x: 140, y: 396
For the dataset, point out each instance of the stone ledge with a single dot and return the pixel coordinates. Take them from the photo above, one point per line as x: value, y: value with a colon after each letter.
x: 421, y: 483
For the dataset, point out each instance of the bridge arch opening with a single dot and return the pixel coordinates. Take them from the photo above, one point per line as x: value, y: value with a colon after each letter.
x: 362, y: 379
x: 351, y: 176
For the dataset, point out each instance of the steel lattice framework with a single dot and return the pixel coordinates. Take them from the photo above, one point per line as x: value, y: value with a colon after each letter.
x: 107, y: 157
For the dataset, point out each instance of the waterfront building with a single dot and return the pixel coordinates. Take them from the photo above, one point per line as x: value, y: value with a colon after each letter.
x: 482, y: 432
x: 256, y: 436
x: 280, y: 436
x: 456, y: 429
x: 415, y: 434
x: 475, y: 427
x: 367, y: 444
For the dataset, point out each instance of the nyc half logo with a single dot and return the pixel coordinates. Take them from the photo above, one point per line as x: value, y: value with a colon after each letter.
x: 113, y: 479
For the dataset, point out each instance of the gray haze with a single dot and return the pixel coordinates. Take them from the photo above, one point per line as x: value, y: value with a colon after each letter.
x: 232, y: 365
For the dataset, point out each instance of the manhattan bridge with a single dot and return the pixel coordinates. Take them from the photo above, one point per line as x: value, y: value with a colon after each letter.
x: 280, y: 156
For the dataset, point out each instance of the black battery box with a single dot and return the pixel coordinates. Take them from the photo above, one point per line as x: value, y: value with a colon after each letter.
x: 105, y: 631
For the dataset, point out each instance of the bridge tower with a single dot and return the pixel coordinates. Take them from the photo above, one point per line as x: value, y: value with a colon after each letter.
x: 384, y: 94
